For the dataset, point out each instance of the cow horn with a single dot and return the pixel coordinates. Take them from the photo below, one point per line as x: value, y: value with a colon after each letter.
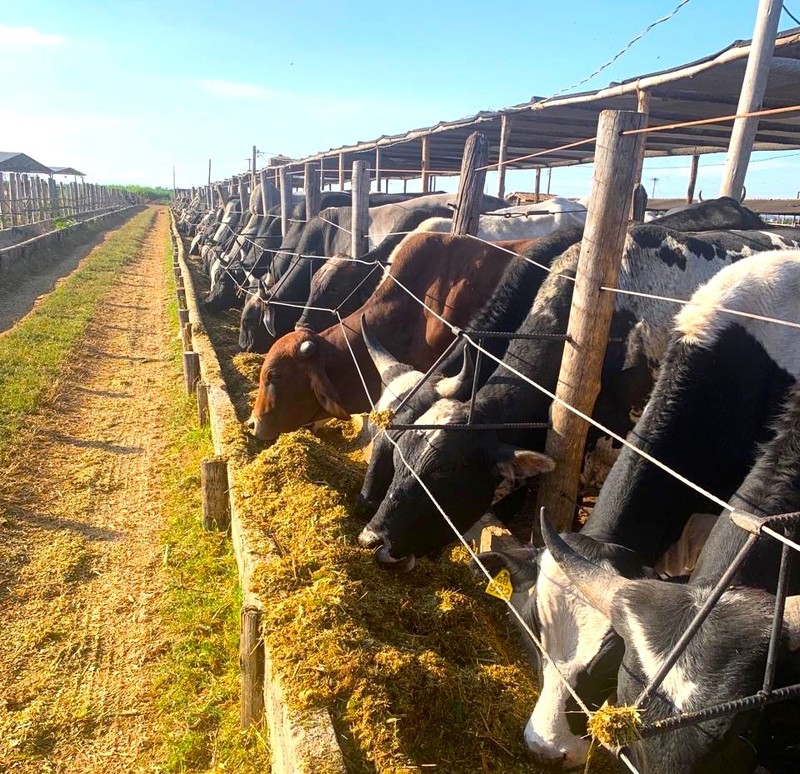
x: 307, y: 348
x: 465, y: 376
x: 744, y: 194
x: 381, y: 357
x: 596, y: 584
x: 700, y: 196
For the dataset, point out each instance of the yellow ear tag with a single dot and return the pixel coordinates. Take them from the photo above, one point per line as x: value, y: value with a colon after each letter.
x: 500, y: 586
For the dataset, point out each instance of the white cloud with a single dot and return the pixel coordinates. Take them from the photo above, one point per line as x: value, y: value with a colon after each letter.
x: 22, y: 38
x: 233, y: 90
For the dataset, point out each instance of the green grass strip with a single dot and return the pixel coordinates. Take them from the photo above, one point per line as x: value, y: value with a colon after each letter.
x: 34, y: 352
x: 199, y: 676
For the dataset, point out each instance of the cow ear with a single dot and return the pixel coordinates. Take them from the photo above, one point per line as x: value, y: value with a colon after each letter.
x: 522, y: 565
x: 516, y: 464
x: 327, y: 395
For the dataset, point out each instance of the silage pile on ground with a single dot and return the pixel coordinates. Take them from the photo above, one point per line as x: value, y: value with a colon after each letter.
x: 416, y: 669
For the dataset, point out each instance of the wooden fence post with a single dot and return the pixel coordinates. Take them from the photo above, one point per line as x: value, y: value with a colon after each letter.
x: 286, y: 199
x: 590, y: 315
x: 692, y: 179
x: 216, y: 503
x: 186, y: 333
x: 251, y: 664
x: 13, y: 197
x: 359, y: 237
x: 426, y: 163
x: 505, y: 132
x: 202, y: 403
x: 191, y: 371
x: 341, y: 171
x: 470, y: 185
x: 311, y: 185
x: 3, y: 201
x: 378, y: 170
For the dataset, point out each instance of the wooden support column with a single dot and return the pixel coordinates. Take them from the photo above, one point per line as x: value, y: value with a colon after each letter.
x: 643, y: 107
x: 378, y: 169
x: 505, y: 132
x: 262, y: 180
x: 692, y: 179
x: 25, y: 197
x: 13, y: 195
x: 590, y: 316
x: 191, y: 371
x: 341, y: 171
x: 537, y: 185
x: 3, y: 201
x: 359, y: 237
x: 754, y: 84
x: 426, y: 163
x: 286, y: 199
x: 251, y: 664
x: 311, y: 185
x: 216, y: 501
x: 470, y: 185
x: 241, y: 186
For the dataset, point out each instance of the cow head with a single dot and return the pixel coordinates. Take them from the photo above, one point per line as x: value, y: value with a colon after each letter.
x: 225, y: 278
x: 408, y: 524
x: 294, y: 388
x: 650, y: 616
x: 584, y: 650
x: 253, y: 333
x: 332, y: 286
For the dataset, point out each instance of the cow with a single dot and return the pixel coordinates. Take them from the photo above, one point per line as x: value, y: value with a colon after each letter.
x: 505, y: 312
x: 328, y: 235
x: 492, y: 463
x: 308, y: 376
x: 723, y: 383
x: 523, y: 221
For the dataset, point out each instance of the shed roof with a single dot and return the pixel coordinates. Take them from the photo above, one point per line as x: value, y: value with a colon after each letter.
x: 67, y: 171
x: 11, y: 161
x: 706, y: 88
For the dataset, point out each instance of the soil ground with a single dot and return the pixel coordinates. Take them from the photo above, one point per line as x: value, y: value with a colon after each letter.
x: 80, y: 559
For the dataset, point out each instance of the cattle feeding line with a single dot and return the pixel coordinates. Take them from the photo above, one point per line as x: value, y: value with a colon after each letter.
x: 508, y: 162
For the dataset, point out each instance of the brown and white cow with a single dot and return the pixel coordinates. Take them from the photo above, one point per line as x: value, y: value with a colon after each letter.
x: 308, y: 376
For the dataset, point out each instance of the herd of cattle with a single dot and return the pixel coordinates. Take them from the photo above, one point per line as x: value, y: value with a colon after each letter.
x: 721, y: 406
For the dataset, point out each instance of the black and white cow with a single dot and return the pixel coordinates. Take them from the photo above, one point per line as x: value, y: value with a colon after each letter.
x: 723, y: 382
x: 466, y: 470
x: 508, y: 308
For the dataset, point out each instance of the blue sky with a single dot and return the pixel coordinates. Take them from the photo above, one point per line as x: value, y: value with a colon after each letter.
x: 123, y: 91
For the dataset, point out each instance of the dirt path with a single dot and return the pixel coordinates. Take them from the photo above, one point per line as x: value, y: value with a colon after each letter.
x: 80, y: 561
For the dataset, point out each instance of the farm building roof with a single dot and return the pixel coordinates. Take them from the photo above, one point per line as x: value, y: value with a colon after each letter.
x: 67, y: 171
x: 706, y: 88
x: 21, y: 162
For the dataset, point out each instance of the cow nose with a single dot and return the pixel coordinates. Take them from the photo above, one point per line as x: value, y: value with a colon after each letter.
x: 541, y: 750
x: 385, y: 559
x: 369, y: 539
x: 251, y: 424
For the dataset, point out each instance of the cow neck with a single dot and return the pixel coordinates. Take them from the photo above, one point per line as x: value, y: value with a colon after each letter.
x: 772, y: 487
x: 507, y: 398
x: 709, y: 409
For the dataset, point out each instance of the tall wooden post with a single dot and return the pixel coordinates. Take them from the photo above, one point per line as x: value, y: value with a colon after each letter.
x: 262, y: 180
x: 253, y: 172
x: 216, y: 500
x: 311, y: 185
x: 753, y: 87
x: 426, y: 163
x: 3, y: 201
x: 505, y: 131
x: 643, y: 107
x: 470, y: 185
x: 25, y: 196
x: 378, y: 169
x: 286, y: 199
x: 590, y: 316
x: 537, y: 185
x: 13, y: 196
x: 341, y: 171
x: 241, y: 185
x: 359, y: 237
x: 692, y: 179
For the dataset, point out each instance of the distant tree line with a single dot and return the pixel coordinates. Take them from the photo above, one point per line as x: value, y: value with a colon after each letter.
x: 150, y: 193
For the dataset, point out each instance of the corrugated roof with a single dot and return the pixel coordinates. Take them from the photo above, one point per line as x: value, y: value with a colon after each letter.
x: 706, y: 88
x: 67, y: 171
x: 11, y: 161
